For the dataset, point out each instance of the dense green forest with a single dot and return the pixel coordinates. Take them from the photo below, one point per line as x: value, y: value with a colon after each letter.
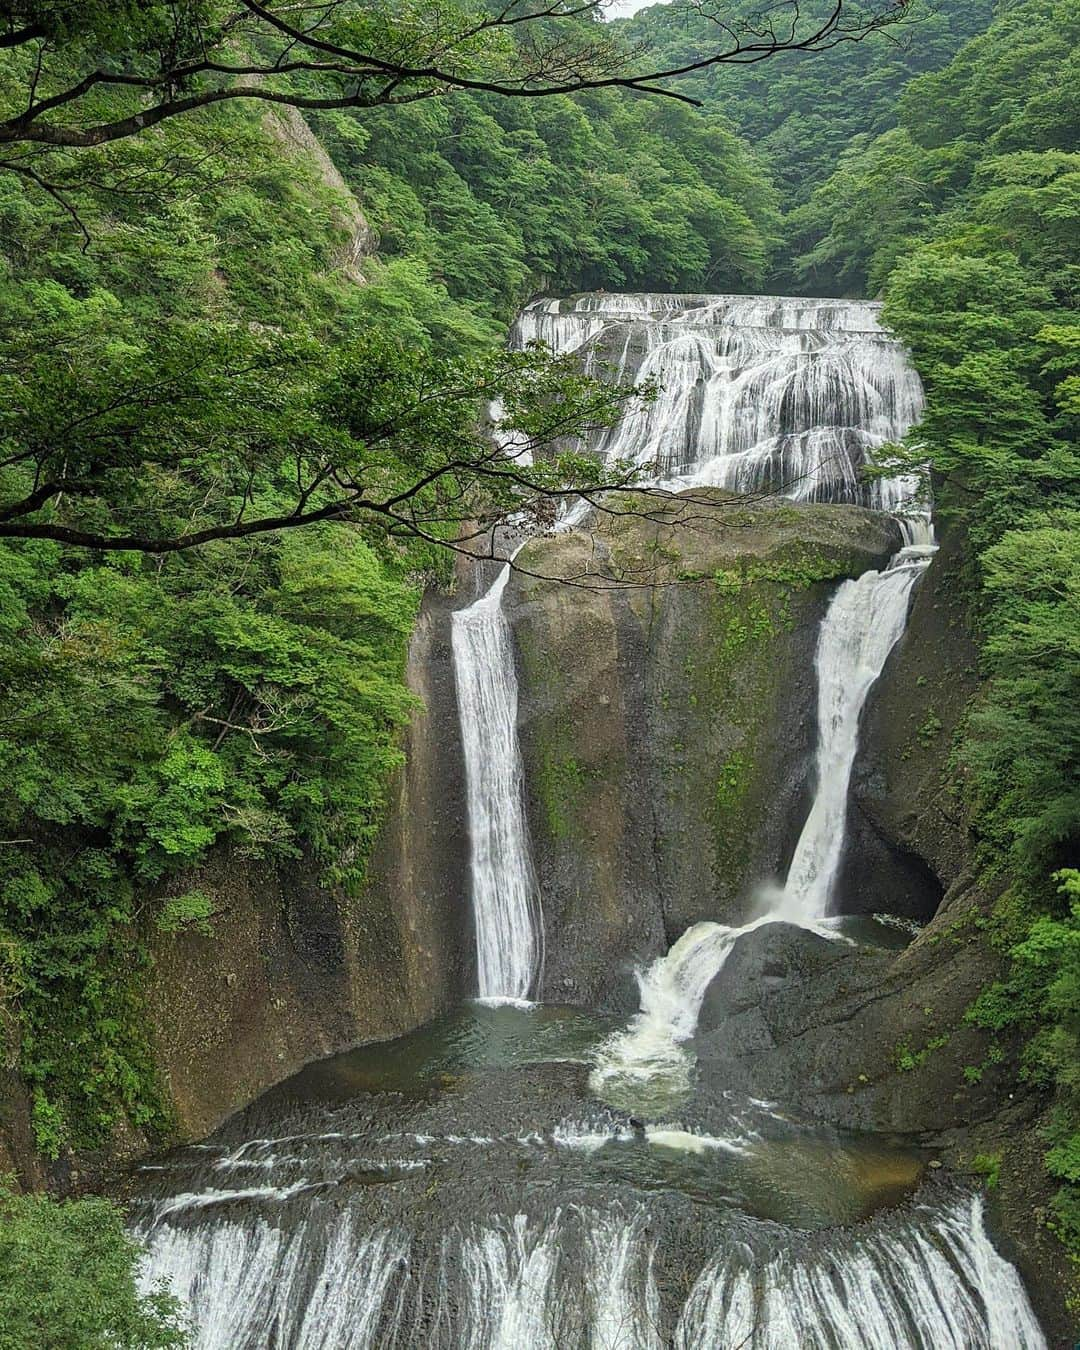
x: 967, y: 216
x: 191, y: 334
x: 801, y: 111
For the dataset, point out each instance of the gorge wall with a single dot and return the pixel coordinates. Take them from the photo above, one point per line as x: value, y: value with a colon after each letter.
x: 293, y: 969
x: 668, y: 748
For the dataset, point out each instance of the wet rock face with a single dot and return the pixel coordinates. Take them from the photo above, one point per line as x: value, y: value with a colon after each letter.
x: 907, y: 839
x: 771, y: 960
x: 294, y: 970
x: 667, y: 727
x: 860, y: 1037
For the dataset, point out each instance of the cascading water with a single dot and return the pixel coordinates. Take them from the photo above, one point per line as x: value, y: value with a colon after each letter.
x: 465, y: 1187
x: 506, y: 899
x: 755, y: 394
x: 862, y: 625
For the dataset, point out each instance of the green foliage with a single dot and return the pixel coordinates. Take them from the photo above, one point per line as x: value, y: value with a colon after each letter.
x: 497, y: 198
x: 68, y: 1279
x: 192, y: 910
x: 988, y: 1165
x: 982, y: 163
x: 157, y: 710
x: 248, y: 696
x: 824, y: 124
x: 908, y: 1059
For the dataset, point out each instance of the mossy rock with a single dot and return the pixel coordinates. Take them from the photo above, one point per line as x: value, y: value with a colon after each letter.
x: 667, y: 689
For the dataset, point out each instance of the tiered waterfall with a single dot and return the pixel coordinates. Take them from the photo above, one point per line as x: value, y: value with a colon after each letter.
x: 487, y: 1184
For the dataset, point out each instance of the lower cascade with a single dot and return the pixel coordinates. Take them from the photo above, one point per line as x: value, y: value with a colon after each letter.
x: 864, y: 622
x: 521, y: 1175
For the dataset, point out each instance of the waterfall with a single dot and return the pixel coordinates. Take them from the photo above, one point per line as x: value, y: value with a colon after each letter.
x: 505, y: 896
x: 433, y: 1200
x: 650, y: 1050
x: 863, y: 623
x: 756, y: 393
x: 760, y: 394
x: 939, y: 1286
x: 586, y: 1278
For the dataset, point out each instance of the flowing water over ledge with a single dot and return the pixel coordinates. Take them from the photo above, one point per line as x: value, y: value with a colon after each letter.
x: 463, y: 1187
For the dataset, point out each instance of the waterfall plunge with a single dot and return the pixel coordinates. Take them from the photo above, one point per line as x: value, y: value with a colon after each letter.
x: 506, y: 899
x: 864, y: 622
x: 761, y: 394
x: 588, y: 1280
x: 756, y: 393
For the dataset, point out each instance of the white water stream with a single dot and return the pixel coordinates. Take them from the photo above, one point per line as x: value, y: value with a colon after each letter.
x: 588, y: 1279
x: 505, y: 896
x: 863, y: 623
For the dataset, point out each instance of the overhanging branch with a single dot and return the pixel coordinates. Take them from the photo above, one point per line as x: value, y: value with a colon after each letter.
x: 376, y: 79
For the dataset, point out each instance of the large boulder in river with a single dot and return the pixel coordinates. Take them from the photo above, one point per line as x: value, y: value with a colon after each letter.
x: 667, y: 723
x: 773, y: 959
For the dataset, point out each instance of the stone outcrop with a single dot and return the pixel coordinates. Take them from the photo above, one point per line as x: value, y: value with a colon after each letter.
x: 294, y: 969
x: 288, y: 126
x: 667, y: 724
x: 876, y: 1040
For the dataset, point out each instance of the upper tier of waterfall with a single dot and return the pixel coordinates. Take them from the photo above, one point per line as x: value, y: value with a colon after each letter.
x: 756, y: 393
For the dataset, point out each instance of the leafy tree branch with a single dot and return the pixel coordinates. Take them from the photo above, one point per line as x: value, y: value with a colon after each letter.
x: 171, y: 59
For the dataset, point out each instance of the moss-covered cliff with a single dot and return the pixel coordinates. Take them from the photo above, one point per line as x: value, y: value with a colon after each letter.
x: 667, y: 724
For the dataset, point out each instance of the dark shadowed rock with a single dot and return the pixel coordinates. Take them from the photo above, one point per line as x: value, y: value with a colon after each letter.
x: 778, y: 958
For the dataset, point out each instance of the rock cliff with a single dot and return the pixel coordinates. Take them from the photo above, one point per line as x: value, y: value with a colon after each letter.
x: 667, y: 724
x: 294, y: 970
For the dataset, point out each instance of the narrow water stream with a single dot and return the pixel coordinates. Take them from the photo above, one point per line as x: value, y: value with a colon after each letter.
x: 528, y: 1177
x: 505, y: 896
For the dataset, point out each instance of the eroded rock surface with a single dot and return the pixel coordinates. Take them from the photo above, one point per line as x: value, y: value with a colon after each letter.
x: 667, y: 724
